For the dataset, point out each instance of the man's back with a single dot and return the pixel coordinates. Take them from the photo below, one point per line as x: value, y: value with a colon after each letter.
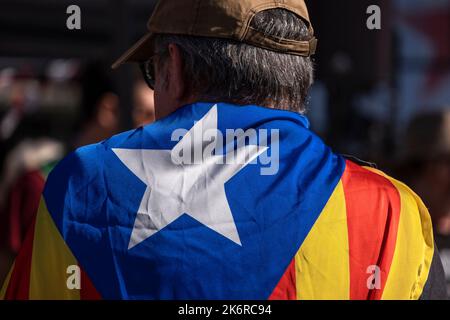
x: 224, y: 202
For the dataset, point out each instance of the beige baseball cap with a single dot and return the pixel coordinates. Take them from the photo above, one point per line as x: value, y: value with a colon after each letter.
x: 229, y: 19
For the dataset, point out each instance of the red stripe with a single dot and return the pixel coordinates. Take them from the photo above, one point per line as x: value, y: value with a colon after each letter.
x: 286, y: 288
x: 88, y: 291
x: 373, y: 212
x: 19, y: 283
x: 23, y: 205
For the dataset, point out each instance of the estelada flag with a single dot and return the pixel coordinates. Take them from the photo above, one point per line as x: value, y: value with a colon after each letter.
x: 139, y: 221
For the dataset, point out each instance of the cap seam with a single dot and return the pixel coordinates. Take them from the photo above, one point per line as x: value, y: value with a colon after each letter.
x: 283, y: 51
x: 301, y: 48
x: 281, y: 40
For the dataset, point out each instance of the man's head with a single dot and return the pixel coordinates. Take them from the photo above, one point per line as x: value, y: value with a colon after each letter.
x: 252, y: 52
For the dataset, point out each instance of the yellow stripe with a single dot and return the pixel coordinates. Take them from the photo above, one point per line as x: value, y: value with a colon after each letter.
x: 6, y: 283
x: 322, y: 263
x: 414, y: 247
x: 51, y: 258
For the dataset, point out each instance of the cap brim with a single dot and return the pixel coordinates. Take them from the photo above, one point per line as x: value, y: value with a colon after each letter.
x: 139, y: 52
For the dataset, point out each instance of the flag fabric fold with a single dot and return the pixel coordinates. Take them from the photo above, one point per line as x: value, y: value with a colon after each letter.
x: 317, y: 227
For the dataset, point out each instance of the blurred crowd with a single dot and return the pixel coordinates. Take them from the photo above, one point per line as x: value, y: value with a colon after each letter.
x: 45, y: 113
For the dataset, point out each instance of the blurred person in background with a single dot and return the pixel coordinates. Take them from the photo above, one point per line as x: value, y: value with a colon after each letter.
x: 426, y: 167
x: 27, y: 155
x: 28, y: 163
x: 144, y: 104
x: 100, y: 116
x: 24, y: 173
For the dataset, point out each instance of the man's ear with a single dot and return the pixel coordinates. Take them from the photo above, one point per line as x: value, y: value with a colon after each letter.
x: 177, y: 82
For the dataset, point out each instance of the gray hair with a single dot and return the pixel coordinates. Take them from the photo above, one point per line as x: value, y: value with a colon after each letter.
x: 222, y: 70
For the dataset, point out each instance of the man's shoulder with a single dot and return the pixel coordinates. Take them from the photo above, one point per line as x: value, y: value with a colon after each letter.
x: 388, y: 222
x: 365, y: 177
x: 384, y: 199
x: 84, y: 165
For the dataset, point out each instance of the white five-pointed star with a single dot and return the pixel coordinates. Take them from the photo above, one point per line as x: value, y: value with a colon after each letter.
x: 197, y: 190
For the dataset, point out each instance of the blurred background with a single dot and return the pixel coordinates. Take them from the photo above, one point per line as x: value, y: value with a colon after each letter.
x: 380, y: 95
